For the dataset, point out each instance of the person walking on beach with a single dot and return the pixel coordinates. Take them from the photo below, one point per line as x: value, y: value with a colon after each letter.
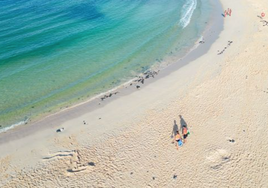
x: 178, y: 140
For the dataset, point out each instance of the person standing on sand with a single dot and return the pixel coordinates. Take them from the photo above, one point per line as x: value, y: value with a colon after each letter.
x: 184, y: 133
x: 178, y: 140
x: 184, y: 128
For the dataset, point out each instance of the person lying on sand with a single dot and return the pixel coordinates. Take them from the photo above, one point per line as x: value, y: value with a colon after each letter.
x: 178, y: 140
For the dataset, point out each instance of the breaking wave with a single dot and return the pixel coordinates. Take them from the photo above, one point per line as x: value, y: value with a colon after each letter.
x: 187, y: 12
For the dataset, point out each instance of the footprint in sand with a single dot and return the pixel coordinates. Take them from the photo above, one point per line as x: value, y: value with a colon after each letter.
x: 217, y: 158
x: 80, y: 168
x: 76, y: 165
x: 73, y: 159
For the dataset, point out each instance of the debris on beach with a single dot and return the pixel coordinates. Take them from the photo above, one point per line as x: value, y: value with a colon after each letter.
x: 225, y: 48
x: 146, y: 75
x: 60, y: 130
x: 140, y: 79
x: 91, y: 164
x: 109, y: 95
x: 265, y: 23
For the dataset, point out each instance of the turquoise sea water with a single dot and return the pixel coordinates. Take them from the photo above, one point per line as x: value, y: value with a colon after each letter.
x: 57, y: 53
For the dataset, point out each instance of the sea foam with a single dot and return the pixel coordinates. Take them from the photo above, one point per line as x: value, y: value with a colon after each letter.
x: 187, y: 12
x: 14, y: 125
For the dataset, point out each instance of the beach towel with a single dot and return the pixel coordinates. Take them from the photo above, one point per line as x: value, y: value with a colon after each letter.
x: 180, y: 143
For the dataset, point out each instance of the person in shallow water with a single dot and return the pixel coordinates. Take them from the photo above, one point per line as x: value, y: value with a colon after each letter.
x: 178, y: 140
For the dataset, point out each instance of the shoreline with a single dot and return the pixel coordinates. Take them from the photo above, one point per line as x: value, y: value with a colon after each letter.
x: 197, y: 50
x: 35, y: 110
x: 128, y: 141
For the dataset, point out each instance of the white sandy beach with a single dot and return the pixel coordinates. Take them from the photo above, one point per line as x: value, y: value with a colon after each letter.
x: 128, y: 141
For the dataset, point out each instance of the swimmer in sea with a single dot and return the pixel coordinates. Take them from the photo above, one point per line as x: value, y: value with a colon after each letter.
x: 178, y: 140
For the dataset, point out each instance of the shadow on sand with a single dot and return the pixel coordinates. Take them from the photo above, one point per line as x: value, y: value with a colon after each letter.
x: 175, y: 129
x: 183, y: 123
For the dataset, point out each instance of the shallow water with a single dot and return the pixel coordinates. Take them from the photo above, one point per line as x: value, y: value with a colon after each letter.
x: 57, y: 53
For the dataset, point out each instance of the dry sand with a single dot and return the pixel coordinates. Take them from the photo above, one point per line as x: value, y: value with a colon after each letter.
x: 127, y: 143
